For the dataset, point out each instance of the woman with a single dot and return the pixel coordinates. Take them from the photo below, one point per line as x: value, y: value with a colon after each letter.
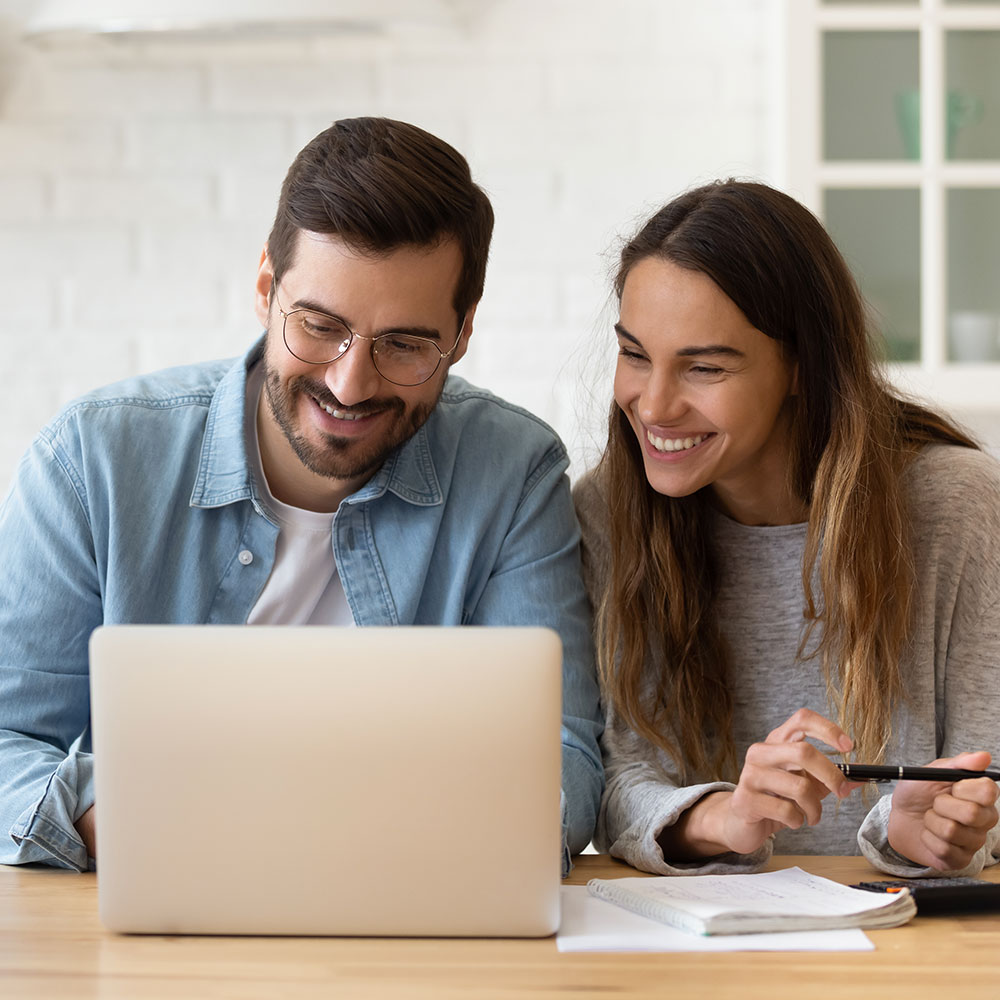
x: 787, y: 561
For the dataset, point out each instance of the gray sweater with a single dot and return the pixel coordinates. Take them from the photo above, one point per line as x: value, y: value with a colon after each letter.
x: 951, y: 667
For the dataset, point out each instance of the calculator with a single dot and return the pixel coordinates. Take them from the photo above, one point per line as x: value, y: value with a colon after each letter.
x: 943, y: 895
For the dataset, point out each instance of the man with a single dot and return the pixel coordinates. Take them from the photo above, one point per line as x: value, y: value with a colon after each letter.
x: 337, y: 474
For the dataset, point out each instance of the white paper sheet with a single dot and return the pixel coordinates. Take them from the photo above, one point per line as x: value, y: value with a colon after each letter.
x: 591, y: 924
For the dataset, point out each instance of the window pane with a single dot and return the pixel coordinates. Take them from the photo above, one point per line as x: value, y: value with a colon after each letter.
x: 878, y: 232
x: 972, y: 60
x: 871, y: 82
x: 973, y: 289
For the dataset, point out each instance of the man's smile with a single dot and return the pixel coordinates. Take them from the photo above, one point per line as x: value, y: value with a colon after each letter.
x: 340, y: 414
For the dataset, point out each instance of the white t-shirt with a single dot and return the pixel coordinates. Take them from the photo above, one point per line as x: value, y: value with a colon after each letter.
x: 304, y: 587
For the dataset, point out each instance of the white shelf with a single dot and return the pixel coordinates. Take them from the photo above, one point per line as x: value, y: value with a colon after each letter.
x: 954, y: 385
x: 906, y: 174
x: 809, y: 176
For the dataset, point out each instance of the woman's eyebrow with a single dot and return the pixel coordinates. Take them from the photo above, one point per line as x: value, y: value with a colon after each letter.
x: 695, y: 350
x: 715, y: 350
x: 622, y: 332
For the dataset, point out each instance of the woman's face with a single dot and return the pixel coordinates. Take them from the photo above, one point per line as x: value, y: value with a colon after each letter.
x: 705, y: 393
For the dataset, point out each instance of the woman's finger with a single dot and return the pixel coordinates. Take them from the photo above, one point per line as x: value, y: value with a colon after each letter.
x: 791, y: 786
x: 968, y: 838
x: 968, y: 812
x: 981, y: 791
x: 754, y: 807
x: 802, y: 757
x: 807, y: 723
x: 945, y: 856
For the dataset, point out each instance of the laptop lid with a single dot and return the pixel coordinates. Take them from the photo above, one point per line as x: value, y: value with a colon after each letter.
x: 314, y: 780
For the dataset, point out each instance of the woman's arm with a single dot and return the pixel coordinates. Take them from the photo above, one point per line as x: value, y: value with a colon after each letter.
x: 924, y: 828
x: 652, y: 821
x: 782, y: 785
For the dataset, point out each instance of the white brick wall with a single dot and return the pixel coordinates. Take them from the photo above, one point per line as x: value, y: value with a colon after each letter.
x: 138, y: 182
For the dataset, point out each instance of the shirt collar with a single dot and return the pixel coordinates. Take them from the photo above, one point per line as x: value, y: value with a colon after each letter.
x: 224, y: 475
x: 408, y: 472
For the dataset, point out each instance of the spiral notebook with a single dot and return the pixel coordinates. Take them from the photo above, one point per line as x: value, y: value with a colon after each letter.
x: 786, y: 900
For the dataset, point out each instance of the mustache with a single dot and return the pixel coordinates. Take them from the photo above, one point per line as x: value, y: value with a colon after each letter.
x: 321, y: 393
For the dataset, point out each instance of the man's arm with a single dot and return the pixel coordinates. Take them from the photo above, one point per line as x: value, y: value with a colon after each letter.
x: 537, y: 581
x: 49, y: 603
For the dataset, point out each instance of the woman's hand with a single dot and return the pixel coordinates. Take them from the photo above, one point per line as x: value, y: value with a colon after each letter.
x: 943, y: 824
x: 782, y: 784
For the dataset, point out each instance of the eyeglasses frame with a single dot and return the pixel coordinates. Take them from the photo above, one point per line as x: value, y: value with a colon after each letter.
x: 444, y: 355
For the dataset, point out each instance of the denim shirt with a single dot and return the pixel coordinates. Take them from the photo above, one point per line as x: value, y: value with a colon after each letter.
x: 137, y: 504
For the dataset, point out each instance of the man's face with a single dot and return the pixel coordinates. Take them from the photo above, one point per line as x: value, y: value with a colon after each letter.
x: 326, y: 429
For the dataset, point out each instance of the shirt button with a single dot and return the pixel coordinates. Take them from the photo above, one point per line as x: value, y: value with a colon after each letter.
x: 245, y: 557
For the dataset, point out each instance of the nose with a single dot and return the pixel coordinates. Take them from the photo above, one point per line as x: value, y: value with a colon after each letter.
x: 662, y: 401
x: 353, y: 378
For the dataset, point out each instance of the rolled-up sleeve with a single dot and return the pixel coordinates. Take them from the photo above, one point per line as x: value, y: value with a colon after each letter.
x: 537, y: 581
x: 49, y: 603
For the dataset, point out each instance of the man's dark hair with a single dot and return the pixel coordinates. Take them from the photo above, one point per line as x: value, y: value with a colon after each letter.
x: 379, y: 185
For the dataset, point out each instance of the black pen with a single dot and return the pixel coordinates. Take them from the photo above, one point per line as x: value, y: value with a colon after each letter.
x: 882, y: 772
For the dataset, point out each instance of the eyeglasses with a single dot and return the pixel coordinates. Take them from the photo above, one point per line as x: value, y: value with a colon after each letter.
x: 319, y: 339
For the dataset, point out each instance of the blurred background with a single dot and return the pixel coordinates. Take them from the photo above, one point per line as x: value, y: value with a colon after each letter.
x: 140, y: 168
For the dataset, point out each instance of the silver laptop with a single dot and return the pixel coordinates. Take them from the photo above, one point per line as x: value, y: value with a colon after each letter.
x: 312, y: 780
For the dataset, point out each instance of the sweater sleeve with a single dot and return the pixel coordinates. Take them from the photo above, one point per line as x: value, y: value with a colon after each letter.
x: 956, y: 537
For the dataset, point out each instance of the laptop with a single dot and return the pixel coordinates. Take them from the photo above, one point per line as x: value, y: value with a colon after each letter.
x: 310, y: 780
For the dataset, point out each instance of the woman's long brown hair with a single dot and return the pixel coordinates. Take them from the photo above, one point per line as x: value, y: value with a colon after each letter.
x: 662, y: 657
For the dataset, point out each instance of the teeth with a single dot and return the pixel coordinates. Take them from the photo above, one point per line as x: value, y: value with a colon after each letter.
x: 340, y: 414
x: 674, y: 444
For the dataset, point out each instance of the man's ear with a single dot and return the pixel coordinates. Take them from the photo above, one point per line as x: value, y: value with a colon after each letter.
x: 263, y: 287
x: 463, y: 337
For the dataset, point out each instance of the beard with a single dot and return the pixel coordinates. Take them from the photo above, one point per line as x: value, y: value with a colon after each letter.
x: 336, y: 457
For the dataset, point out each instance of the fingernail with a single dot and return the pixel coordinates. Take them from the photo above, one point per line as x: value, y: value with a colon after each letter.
x: 845, y: 742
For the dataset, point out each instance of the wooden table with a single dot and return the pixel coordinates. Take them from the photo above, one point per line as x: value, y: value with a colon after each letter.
x: 52, y: 946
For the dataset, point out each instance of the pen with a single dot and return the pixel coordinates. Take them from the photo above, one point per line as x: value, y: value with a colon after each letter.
x: 880, y: 772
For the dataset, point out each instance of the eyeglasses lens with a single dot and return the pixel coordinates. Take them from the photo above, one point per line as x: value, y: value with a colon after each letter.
x: 318, y: 340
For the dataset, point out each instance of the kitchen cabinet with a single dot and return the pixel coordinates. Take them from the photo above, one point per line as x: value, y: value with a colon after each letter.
x: 892, y: 132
